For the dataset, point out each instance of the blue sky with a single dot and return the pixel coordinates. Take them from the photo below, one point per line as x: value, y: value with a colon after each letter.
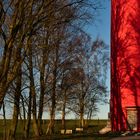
x: 101, y: 28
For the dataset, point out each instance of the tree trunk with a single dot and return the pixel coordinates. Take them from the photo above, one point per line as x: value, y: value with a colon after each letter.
x: 42, y: 92
x: 2, y: 91
x: 32, y: 92
x: 50, y: 129
x: 63, y: 118
x: 81, y: 119
x: 81, y: 114
x: 12, y: 131
x: 28, y: 122
x: 24, y: 113
x: 64, y: 111
x: 4, y: 69
x: 82, y: 105
x: 4, y: 121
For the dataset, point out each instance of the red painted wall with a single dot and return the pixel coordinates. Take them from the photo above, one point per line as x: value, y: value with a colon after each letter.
x: 125, y: 62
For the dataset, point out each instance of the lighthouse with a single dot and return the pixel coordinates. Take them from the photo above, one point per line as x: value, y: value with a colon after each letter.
x: 125, y: 65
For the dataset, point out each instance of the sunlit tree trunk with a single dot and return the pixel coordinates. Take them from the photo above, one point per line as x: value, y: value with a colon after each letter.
x: 50, y: 129
x: 81, y: 115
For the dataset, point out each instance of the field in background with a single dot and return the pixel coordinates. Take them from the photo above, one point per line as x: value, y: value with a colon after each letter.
x: 92, y: 127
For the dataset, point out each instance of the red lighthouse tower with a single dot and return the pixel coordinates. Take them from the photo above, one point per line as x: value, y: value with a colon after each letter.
x: 125, y: 65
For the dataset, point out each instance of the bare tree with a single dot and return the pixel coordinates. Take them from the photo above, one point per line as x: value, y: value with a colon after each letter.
x: 17, y: 94
x: 43, y: 39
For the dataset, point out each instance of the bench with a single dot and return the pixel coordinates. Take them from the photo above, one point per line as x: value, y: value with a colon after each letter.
x: 79, y: 129
x: 63, y: 131
x: 68, y: 131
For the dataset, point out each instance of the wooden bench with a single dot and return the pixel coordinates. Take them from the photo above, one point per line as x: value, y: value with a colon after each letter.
x: 79, y: 130
x: 63, y: 131
x: 68, y: 131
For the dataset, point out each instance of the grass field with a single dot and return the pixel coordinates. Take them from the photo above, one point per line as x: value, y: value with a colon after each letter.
x: 90, y: 132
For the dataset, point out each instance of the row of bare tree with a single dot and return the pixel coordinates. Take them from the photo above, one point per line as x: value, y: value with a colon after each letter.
x: 48, y: 63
